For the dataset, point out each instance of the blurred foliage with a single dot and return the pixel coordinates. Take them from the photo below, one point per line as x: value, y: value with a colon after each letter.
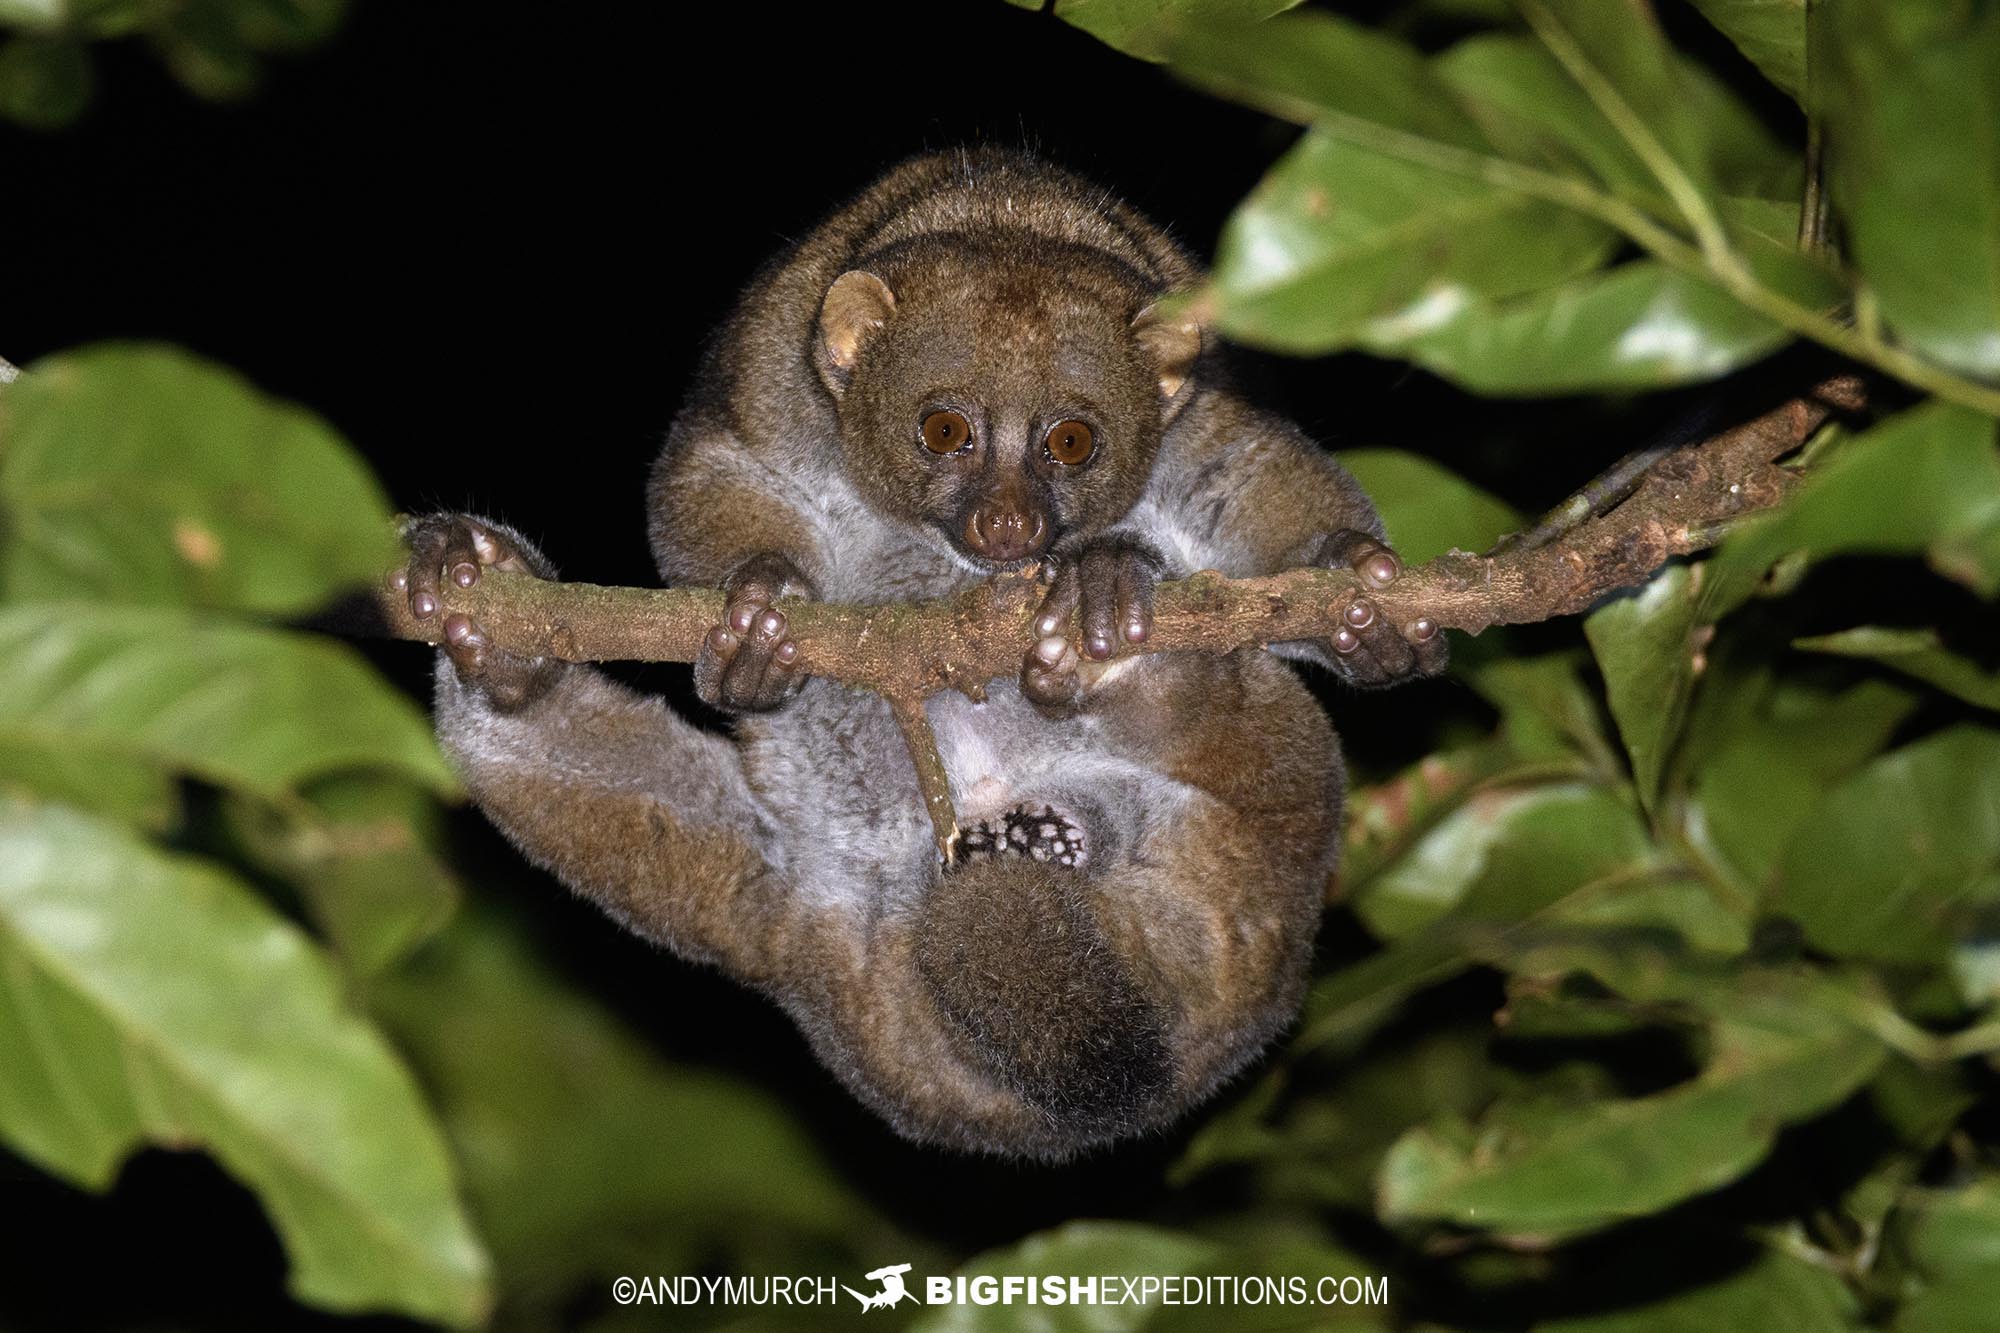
x: 1663, y: 991
x: 216, y: 48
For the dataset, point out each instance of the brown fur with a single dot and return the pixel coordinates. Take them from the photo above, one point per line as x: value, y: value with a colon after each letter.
x: 1007, y: 1005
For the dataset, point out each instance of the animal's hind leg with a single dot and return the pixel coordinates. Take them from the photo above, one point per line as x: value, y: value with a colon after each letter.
x: 632, y: 807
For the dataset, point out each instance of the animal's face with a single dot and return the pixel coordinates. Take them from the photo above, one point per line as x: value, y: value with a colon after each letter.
x: 1010, y: 407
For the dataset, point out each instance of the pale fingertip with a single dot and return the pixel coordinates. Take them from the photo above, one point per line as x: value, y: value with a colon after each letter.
x: 1380, y: 569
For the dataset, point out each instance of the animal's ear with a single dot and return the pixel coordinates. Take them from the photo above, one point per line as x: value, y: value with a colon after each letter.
x: 858, y: 304
x: 1170, y: 338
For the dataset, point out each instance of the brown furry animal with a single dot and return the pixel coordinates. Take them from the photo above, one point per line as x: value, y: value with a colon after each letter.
x: 966, y: 368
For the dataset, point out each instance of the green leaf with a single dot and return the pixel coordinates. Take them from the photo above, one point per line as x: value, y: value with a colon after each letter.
x: 151, y: 997
x: 1621, y: 61
x: 585, y: 1155
x: 257, y: 709
x: 1914, y: 652
x: 1926, y: 481
x: 1316, y: 67
x: 100, y: 779
x: 1640, y: 325
x: 1385, y: 819
x: 1537, y: 1169
x: 1771, y: 33
x: 1386, y: 230
x: 138, y: 473
x: 1324, y: 1141
x: 1764, y: 233
x: 1777, y: 758
x: 1345, y: 1008
x: 1536, y: 113
x: 44, y: 82
x: 1645, y: 646
x: 1428, y: 508
x: 1546, y: 712
x: 1694, y: 909
x: 1911, y: 101
x: 1894, y: 862
x: 1137, y: 27
x: 1506, y: 855
x: 1337, y: 239
x: 1775, y: 1294
x: 32, y: 13
x: 364, y: 850
x: 1954, y: 1240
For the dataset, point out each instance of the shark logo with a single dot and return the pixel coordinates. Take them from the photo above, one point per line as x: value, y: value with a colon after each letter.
x: 893, y: 1291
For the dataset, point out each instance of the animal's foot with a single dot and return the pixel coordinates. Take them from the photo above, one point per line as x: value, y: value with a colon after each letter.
x: 747, y: 664
x: 458, y: 548
x: 1036, y: 831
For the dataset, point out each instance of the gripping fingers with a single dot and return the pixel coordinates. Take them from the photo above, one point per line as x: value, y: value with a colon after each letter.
x: 1060, y: 603
x: 1110, y: 590
x: 757, y: 676
x: 1368, y: 649
x: 1049, y: 674
x: 509, y: 679
x: 450, y: 551
x: 440, y: 547
x: 1117, y: 599
x: 1373, y: 651
x: 747, y: 664
x: 452, y: 548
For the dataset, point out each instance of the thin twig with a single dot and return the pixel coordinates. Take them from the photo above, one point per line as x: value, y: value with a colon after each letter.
x: 1597, y: 498
x: 1815, y: 215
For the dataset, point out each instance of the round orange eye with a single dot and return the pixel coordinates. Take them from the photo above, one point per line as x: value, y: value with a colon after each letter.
x: 1070, y: 442
x: 945, y: 432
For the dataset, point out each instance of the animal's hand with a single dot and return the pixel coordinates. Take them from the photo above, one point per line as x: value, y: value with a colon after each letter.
x: 458, y: 547
x: 1368, y: 650
x: 746, y: 664
x: 1108, y: 585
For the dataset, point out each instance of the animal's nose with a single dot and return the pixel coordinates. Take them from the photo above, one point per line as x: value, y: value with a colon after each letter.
x: 1006, y: 534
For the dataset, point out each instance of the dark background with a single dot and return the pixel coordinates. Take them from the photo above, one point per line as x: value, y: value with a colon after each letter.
x: 486, y: 241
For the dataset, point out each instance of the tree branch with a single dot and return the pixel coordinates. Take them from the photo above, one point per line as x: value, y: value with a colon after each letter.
x: 909, y: 651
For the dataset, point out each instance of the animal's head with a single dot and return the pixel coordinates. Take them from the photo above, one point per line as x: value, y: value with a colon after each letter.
x: 1010, y: 398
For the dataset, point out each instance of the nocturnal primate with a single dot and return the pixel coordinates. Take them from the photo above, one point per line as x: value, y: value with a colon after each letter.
x: 968, y: 368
